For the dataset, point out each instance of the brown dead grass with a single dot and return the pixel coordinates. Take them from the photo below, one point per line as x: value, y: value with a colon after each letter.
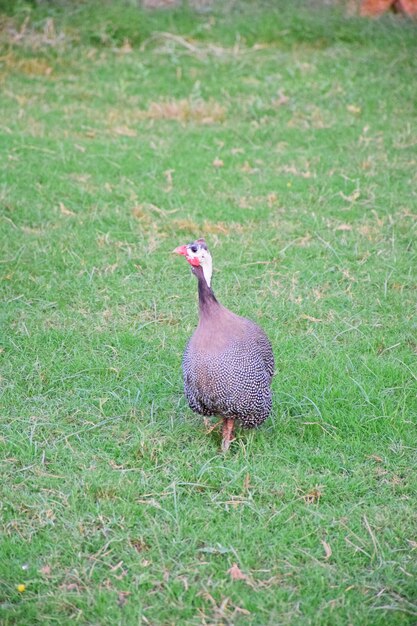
x: 160, y: 223
x: 186, y: 110
x: 296, y: 171
x: 34, y: 66
x: 29, y: 37
x: 311, y: 117
x: 206, y: 227
x: 123, y: 121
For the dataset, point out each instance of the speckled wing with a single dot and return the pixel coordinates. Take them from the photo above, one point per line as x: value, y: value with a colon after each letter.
x: 192, y: 390
x: 265, y: 348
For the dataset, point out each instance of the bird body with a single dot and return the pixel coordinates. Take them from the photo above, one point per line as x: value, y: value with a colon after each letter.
x: 222, y: 376
x: 228, y: 363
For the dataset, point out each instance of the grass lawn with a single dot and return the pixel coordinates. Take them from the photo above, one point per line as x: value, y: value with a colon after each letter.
x: 288, y: 139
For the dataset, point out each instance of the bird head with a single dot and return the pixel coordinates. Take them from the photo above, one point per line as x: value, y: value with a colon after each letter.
x: 197, y: 255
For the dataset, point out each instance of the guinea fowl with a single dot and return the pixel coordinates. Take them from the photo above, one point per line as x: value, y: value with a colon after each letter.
x: 228, y: 363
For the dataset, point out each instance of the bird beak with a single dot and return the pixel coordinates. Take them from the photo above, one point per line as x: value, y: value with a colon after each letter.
x: 180, y: 250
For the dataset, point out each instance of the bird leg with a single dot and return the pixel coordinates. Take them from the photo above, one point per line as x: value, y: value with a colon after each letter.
x: 227, y: 430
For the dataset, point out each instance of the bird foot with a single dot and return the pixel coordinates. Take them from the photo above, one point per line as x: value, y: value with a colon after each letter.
x: 226, y: 443
x: 209, y: 426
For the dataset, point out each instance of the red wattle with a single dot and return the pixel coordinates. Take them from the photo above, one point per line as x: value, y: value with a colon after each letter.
x: 193, y: 261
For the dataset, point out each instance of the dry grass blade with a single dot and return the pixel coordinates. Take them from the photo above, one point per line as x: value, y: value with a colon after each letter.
x: 327, y: 549
x: 372, y: 536
x: 185, y: 110
x: 200, y: 50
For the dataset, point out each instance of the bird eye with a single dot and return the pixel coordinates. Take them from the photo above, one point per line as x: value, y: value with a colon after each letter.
x: 193, y: 248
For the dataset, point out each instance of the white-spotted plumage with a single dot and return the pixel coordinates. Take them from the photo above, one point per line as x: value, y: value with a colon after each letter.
x: 233, y: 382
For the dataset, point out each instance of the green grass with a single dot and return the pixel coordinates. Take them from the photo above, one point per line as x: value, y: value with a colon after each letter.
x: 116, y: 507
